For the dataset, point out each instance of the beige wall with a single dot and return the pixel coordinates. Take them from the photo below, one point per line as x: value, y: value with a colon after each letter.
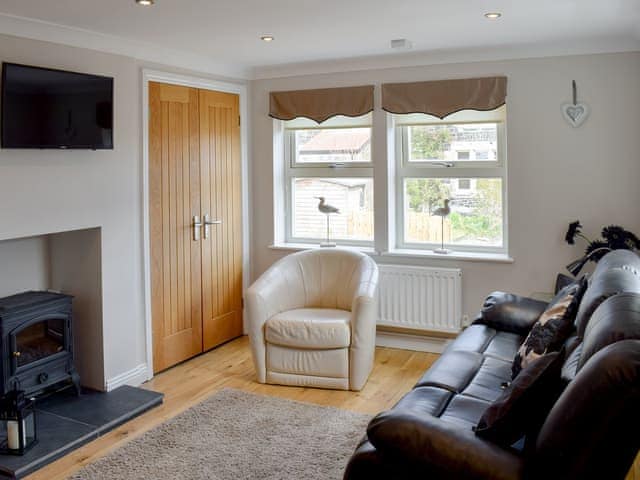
x: 24, y: 265
x: 45, y: 191
x: 556, y: 173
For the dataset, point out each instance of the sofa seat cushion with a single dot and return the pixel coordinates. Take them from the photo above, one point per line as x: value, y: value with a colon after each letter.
x: 477, y: 363
x: 312, y: 328
x: 425, y: 401
x: 487, y: 341
x: 504, y: 346
x: 464, y: 412
x: 452, y: 371
x: 490, y: 380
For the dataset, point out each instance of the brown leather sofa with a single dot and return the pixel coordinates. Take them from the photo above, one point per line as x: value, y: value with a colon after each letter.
x: 591, y: 432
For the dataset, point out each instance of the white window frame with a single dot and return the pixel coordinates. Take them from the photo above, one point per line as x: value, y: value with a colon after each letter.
x: 444, y: 169
x: 293, y: 169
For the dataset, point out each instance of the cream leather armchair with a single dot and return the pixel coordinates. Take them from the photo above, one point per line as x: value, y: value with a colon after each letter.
x: 312, y: 320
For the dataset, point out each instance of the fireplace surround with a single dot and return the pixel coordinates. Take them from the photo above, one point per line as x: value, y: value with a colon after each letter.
x: 36, y: 342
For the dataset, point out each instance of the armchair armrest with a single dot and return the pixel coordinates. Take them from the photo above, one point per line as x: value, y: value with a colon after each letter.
x: 257, y: 315
x: 364, y: 314
x: 510, y: 313
x: 454, y: 452
x: 278, y: 289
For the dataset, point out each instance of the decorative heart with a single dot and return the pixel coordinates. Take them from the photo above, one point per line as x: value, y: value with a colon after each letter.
x: 575, y: 114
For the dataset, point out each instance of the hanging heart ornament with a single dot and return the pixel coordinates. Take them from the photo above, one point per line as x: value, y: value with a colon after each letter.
x: 575, y: 114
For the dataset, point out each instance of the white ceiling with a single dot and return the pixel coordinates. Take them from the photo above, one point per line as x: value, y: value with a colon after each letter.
x: 227, y: 31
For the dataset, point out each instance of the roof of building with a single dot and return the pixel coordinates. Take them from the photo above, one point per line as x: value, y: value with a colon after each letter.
x: 339, y: 140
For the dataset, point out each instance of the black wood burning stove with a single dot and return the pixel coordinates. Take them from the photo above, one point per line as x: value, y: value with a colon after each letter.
x: 37, y: 342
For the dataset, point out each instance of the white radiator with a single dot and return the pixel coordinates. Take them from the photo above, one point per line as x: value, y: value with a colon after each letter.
x: 420, y: 298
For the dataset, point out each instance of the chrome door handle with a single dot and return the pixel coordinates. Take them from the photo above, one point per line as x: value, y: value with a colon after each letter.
x: 207, y: 222
x: 197, y: 225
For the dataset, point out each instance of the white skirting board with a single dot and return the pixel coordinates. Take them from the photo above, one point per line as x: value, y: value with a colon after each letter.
x: 134, y: 377
x: 418, y: 343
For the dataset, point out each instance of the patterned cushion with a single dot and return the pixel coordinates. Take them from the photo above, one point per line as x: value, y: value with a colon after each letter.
x: 553, y: 328
x: 525, y: 402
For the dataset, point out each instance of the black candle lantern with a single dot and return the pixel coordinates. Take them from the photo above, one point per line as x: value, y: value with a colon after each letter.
x: 18, y: 415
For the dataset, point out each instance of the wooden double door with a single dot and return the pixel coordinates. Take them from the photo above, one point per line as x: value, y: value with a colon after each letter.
x: 195, y: 221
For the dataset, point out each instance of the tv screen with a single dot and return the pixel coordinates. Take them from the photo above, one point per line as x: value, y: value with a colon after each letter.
x: 44, y: 108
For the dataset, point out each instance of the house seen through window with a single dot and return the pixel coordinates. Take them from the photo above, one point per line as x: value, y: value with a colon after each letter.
x: 331, y: 160
x: 460, y: 159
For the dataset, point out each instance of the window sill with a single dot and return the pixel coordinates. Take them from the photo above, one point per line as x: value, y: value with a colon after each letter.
x: 458, y: 256
x: 405, y: 253
x: 297, y: 247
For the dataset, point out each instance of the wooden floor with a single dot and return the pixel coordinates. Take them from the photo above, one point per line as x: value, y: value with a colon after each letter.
x: 394, y: 373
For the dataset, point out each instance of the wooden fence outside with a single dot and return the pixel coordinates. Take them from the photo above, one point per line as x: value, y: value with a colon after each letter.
x: 420, y: 227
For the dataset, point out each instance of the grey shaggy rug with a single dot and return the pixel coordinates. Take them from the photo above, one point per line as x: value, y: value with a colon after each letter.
x: 236, y: 435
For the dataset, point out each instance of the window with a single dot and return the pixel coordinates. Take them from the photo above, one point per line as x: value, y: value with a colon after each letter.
x: 463, y: 155
x: 332, y: 146
x: 461, y: 159
x: 330, y: 161
x: 464, y: 184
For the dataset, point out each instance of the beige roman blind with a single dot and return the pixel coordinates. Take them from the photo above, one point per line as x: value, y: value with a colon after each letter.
x: 321, y: 104
x: 444, y: 97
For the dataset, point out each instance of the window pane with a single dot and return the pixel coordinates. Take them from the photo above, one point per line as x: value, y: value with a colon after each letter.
x: 333, y: 145
x: 476, y: 211
x: 352, y: 196
x: 472, y: 142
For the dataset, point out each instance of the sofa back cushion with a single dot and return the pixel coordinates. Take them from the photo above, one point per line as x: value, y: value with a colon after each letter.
x: 618, y: 271
x: 616, y: 319
x: 592, y: 430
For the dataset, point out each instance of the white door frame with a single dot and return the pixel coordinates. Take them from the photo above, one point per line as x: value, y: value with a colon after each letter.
x: 188, y: 81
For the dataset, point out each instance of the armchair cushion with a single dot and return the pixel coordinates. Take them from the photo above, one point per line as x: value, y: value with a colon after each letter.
x: 313, y: 328
x: 329, y: 363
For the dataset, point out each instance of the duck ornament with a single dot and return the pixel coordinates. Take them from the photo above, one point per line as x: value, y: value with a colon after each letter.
x: 442, y: 212
x: 328, y: 210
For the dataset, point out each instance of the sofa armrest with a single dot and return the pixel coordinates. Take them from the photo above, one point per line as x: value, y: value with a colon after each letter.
x: 510, y: 313
x: 440, y: 447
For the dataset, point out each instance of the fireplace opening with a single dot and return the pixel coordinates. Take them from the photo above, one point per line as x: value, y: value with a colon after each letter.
x: 40, y: 340
x: 69, y: 262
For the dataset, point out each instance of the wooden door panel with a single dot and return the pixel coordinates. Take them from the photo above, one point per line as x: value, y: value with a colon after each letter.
x: 174, y: 178
x: 221, y: 199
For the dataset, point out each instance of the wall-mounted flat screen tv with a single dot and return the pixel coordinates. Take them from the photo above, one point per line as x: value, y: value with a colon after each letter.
x: 45, y: 108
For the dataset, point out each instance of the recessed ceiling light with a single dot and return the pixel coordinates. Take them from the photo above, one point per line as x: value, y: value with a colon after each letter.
x: 493, y: 15
x: 145, y: 3
x: 267, y: 38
